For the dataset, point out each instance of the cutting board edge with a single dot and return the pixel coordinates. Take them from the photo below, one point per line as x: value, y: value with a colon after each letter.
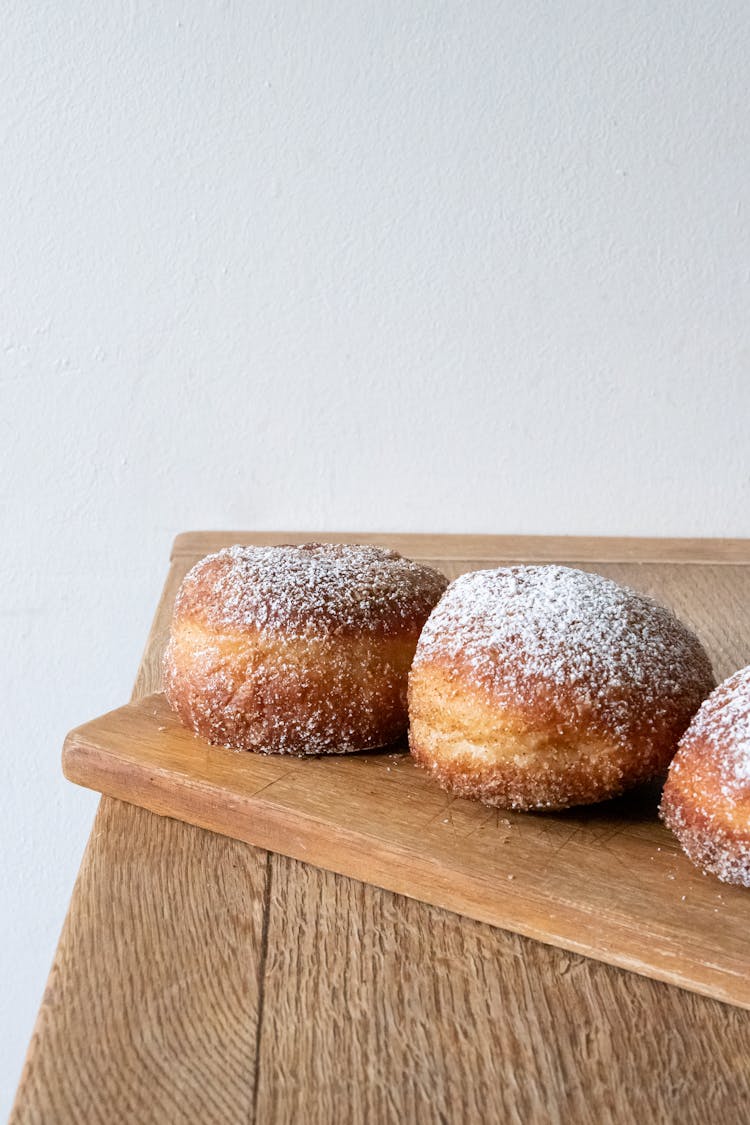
x: 87, y: 764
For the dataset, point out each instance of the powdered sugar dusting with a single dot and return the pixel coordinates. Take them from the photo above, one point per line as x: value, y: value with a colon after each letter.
x: 723, y: 723
x: 528, y: 634
x: 714, y: 846
x: 329, y: 588
x: 298, y: 650
x: 706, y: 800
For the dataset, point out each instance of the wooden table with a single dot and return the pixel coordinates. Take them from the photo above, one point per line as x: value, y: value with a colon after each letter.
x: 198, y: 979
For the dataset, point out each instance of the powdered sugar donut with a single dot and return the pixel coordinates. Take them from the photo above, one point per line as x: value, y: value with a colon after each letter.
x: 299, y: 650
x: 706, y: 800
x: 540, y: 687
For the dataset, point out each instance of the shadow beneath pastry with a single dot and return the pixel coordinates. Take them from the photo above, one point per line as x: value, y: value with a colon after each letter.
x: 638, y: 804
x: 401, y: 748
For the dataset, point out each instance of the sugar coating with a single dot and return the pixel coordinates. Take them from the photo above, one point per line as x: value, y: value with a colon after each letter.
x: 298, y: 650
x: 322, y: 588
x: 531, y: 634
x: 706, y: 800
x: 717, y: 848
x: 723, y: 725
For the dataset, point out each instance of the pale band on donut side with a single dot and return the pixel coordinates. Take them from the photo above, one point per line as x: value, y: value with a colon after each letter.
x: 543, y: 687
x: 298, y: 650
x: 706, y: 799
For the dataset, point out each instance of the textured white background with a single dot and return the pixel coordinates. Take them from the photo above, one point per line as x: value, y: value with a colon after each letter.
x: 408, y: 265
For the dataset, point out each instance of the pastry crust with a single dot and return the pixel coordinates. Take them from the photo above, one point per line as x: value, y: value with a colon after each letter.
x: 298, y: 650
x: 546, y: 687
x: 706, y: 799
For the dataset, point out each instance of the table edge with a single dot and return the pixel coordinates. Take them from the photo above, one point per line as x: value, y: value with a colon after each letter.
x: 471, y: 547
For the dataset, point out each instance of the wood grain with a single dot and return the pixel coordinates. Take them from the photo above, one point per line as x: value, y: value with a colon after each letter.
x: 382, y: 1009
x: 137, y: 995
x: 371, y: 1007
x: 609, y: 881
x: 150, y: 1014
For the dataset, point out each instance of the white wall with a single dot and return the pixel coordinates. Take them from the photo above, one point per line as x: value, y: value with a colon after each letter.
x: 408, y: 265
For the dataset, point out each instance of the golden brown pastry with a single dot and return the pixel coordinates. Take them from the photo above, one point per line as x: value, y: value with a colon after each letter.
x: 706, y: 800
x: 298, y: 650
x: 540, y: 687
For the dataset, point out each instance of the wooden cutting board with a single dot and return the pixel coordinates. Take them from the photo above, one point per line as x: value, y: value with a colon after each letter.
x: 609, y: 881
